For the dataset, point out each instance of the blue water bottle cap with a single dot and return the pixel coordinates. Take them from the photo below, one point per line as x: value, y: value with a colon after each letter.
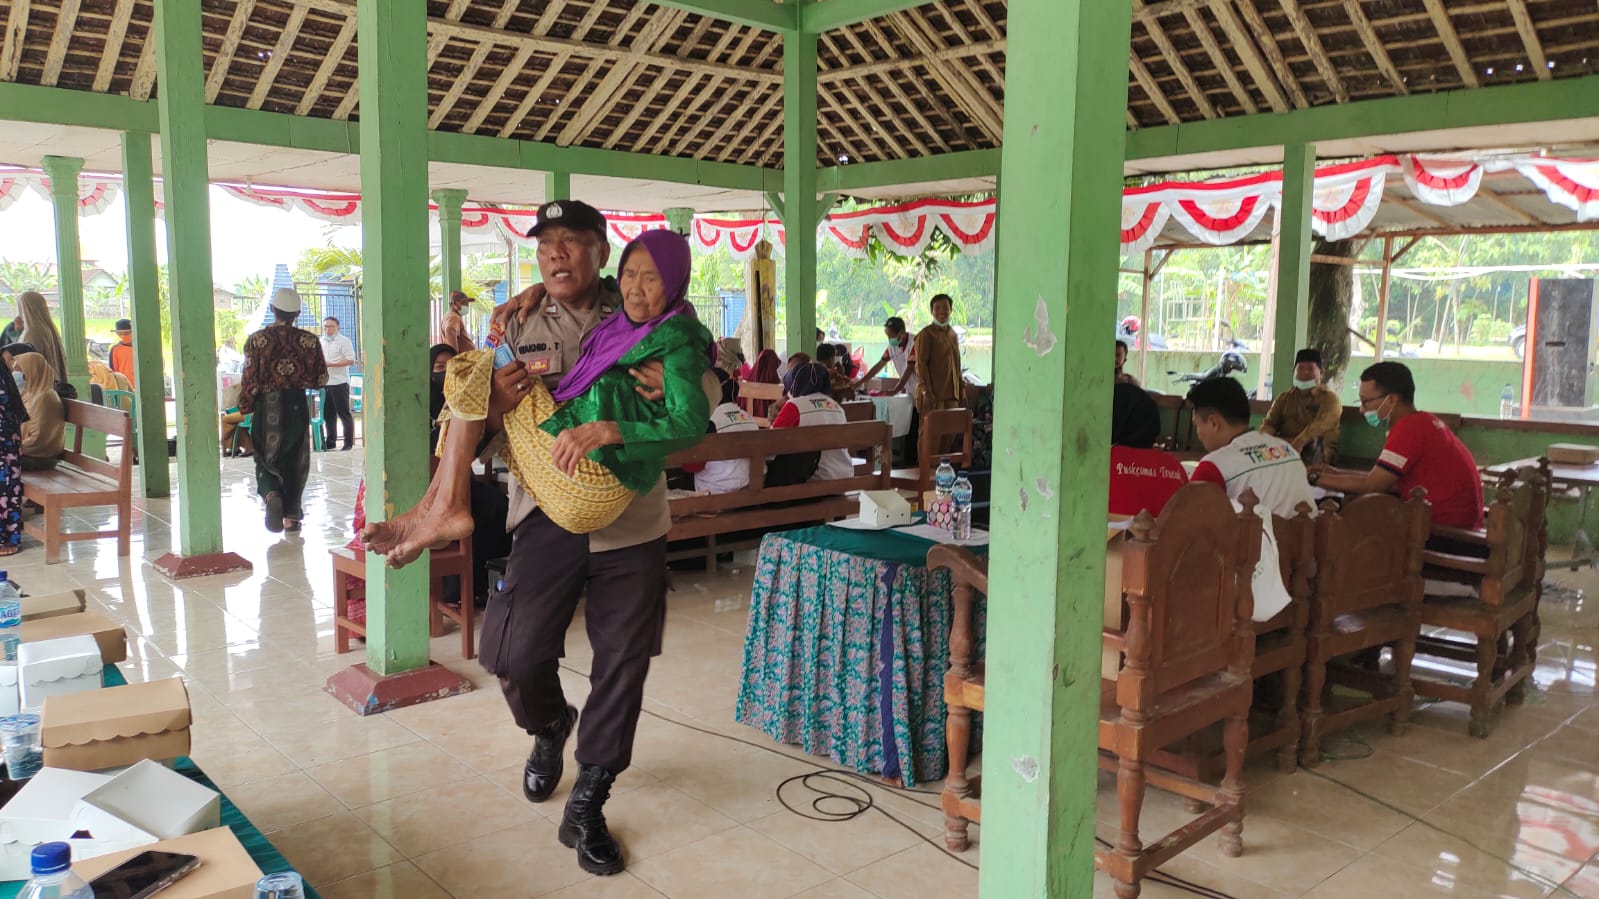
x: 50, y: 858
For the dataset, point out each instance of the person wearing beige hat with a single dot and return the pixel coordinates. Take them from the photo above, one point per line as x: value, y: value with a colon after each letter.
x: 281, y: 362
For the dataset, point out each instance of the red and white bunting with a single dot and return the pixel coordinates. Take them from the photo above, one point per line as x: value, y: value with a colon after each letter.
x: 1346, y: 200
x: 1571, y: 183
x: 95, y: 192
x: 11, y: 188
x: 1142, y: 222
x: 1218, y: 213
x: 1443, y: 182
x: 739, y: 236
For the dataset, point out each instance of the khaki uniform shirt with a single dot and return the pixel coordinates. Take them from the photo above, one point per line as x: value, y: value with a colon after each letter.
x: 1306, y: 414
x: 550, y: 342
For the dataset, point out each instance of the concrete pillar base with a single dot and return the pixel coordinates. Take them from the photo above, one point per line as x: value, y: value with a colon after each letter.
x: 178, y: 567
x: 369, y: 693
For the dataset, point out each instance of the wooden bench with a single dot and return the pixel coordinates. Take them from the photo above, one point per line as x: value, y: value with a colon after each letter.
x: 750, y: 392
x: 761, y: 508
x: 81, y: 481
x: 453, y: 560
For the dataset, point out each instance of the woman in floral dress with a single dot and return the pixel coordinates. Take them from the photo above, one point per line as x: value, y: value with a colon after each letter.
x: 12, y: 415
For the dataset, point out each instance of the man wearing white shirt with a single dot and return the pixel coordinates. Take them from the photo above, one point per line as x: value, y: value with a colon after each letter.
x: 339, y: 353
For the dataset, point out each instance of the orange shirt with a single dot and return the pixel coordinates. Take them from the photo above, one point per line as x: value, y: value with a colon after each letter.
x: 122, y: 358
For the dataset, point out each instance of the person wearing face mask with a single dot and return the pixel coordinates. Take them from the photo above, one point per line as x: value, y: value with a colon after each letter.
x: 898, y: 353
x: 936, y: 362
x: 1307, y: 416
x: 1420, y: 451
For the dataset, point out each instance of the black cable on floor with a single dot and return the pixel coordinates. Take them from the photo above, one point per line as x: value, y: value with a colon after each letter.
x: 861, y: 802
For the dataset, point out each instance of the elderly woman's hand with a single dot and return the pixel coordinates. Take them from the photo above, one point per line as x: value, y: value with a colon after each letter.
x: 574, y: 443
x: 651, y: 378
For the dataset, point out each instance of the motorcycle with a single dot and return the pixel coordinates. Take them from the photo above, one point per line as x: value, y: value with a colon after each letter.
x: 1228, y: 363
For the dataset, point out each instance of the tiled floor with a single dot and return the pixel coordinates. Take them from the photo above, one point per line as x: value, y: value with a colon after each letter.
x: 425, y: 802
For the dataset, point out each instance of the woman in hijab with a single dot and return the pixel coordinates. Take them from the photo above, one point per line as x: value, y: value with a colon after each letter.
x: 811, y: 405
x: 12, y: 416
x: 39, y: 330
x: 44, y: 433
x: 438, y: 361
x: 595, y: 418
x: 768, y: 368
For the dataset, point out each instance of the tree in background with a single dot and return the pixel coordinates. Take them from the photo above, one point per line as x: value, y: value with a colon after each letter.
x: 1332, y: 290
x: 255, y: 287
x: 19, y: 277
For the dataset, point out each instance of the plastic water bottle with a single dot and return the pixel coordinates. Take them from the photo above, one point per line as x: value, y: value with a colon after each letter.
x: 944, y: 478
x: 10, y: 618
x: 962, y: 494
x: 1507, y: 402
x: 283, y: 885
x: 52, y: 875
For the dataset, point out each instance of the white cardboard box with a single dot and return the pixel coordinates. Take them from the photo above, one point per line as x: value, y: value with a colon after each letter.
x: 146, y: 803
x: 10, y: 699
x: 56, y: 667
x: 884, y: 508
x: 41, y: 812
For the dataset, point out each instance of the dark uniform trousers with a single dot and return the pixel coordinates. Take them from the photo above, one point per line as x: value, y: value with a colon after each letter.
x: 524, y: 633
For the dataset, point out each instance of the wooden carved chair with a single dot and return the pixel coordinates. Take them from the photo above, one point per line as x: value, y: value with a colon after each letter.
x: 751, y: 392
x: 1186, y: 655
x: 1367, y: 595
x: 1496, y: 623
x: 1279, y: 650
x: 963, y: 691
x: 941, y: 428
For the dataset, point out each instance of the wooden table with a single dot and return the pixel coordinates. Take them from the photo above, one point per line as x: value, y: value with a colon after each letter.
x: 1565, y: 476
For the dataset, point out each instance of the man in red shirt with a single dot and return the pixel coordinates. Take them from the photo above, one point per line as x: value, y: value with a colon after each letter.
x: 1420, y: 451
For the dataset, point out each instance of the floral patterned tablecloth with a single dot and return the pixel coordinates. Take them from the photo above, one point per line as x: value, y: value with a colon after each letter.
x: 846, y: 649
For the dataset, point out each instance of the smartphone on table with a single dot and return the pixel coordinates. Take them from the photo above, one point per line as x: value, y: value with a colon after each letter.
x: 146, y: 874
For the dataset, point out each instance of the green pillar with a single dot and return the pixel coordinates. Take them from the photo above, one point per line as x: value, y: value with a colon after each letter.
x: 63, y: 174
x: 1293, y: 263
x: 1062, y: 172
x: 558, y: 186
x: 450, y: 201
x: 680, y: 219
x: 394, y: 246
x: 180, y: 69
x: 799, y: 190
x: 144, y: 281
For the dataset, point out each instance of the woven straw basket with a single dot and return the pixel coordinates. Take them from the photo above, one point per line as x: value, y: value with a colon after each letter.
x: 589, y: 500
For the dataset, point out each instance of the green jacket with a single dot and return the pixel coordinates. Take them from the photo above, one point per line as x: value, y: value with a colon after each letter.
x: 651, y: 430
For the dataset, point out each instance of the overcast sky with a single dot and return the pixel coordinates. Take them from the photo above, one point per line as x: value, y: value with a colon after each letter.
x: 246, y: 239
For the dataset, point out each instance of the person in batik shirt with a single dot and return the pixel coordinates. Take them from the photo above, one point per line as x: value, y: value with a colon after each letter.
x: 281, y: 362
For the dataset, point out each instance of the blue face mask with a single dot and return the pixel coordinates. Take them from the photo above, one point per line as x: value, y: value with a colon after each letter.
x: 1304, y: 385
x: 21, y: 381
x: 1374, y: 419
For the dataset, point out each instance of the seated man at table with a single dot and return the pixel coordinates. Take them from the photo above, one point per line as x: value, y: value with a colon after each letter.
x: 1141, y: 477
x: 1420, y: 451
x: 1307, y: 416
x: 1239, y: 458
x: 839, y: 385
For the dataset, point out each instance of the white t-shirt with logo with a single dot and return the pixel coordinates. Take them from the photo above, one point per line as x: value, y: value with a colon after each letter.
x: 1265, y: 464
x: 820, y: 409
x: 902, y: 357
x: 726, y: 475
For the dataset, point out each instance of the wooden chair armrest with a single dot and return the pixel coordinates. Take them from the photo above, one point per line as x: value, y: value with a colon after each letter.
x: 1114, y: 639
x: 1479, y: 537
x: 1469, y: 564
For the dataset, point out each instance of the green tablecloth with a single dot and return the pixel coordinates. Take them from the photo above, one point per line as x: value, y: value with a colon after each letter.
x: 266, y: 856
x: 846, y: 649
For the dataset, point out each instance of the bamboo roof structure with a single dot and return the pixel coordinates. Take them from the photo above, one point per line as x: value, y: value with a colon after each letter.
x: 658, y: 80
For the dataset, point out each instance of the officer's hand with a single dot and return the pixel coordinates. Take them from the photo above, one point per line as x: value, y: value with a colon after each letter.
x: 651, y: 378
x: 511, y: 384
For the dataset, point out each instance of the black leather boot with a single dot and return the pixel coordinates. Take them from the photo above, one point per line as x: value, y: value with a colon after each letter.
x: 548, y: 758
x: 583, y: 826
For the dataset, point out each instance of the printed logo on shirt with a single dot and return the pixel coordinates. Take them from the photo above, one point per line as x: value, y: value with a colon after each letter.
x: 1391, y: 459
x: 1271, y: 452
x: 819, y: 403
x: 1147, y: 471
x: 541, y: 365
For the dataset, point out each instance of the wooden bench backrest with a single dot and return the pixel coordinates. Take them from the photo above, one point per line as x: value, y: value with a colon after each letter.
x: 114, y: 422
x: 1186, y: 578
x: 757, y: 446
x: 969, y: 573
x: 755, y: 390
x: 859, y: 410
x: 1515, y: 527
x: 1368, y: 555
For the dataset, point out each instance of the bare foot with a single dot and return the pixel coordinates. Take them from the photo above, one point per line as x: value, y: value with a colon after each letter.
x: 401, y: 539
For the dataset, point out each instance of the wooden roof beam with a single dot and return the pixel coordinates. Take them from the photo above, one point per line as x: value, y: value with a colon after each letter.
x: 1529, y: 37
x: 863, y: 132
x: 1368, y: 36
x: 473, y: 66
x: 1256, y: 25
x: 330, y: 64
x: 144, y: 73
x: 921, y: 86
x: 854, y: 90
x: 116, y: 35
x: 1318, y: 53
x: 820, y: 16
x: 1196, y: 22
x: 230, y: 47
x: 767, y: 14
x: 915, y: 112
x: 533, y: 95
x: 1451, y: 39
x: 274, y: 63
x: 15, y: 35
x: 981, y: 104
x: 1168, y: 51
x: 678, y: 140
x: 1498, y: 200
x: 659, y: 84
x: 66, y: 22
x: 1152, y: 90
x: 657, y: 29
x: 510, y: 72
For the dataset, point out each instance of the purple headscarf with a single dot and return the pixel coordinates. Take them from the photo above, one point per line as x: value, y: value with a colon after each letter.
x: 613, y: 337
